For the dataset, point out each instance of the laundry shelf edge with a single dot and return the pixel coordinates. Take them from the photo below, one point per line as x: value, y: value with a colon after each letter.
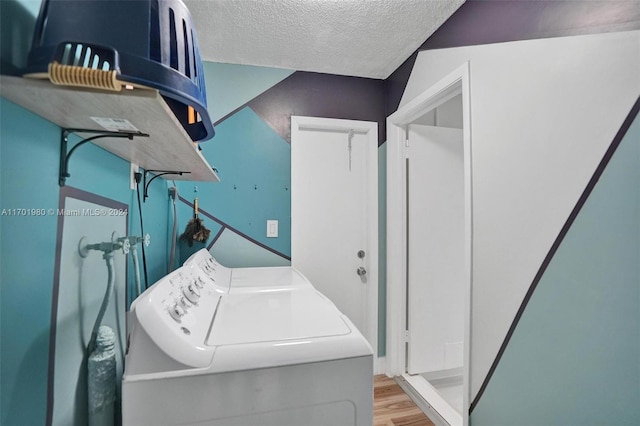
x: 168, y: 146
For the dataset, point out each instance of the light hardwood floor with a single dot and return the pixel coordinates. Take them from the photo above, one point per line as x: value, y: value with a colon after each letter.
x: 393, y: 407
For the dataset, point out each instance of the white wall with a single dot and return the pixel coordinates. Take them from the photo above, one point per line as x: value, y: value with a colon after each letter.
x: 436, y: 248
x: 543, y: 113
x: 445, y: 115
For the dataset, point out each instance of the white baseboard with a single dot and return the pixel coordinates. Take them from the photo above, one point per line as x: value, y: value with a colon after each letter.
x: 380, y: 365
x: 429, y: 400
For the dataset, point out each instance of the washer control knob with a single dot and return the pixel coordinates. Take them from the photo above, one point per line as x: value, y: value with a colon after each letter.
x: 183, y: 302
x: 192, y: 293
x: 198, y: 282
x: 208, y: 268
x: 177, y: 312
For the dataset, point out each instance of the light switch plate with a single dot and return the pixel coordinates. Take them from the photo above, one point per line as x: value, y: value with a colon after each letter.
x: 272, y: 228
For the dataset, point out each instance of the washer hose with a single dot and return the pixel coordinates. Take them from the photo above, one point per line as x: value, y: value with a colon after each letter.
x: 108, y: 257
x: 136, y: 267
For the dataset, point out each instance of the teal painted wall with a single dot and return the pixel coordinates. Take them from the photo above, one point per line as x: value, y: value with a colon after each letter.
x: 29, y: 158
x: 574, y: 356
x: 27, y: 246
x: 29, y: 149
x: 254, y: 165
x: 230, y: 86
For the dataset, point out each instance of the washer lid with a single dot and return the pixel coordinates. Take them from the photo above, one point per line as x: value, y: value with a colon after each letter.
x: 275, y: 315
x: 255, y: 279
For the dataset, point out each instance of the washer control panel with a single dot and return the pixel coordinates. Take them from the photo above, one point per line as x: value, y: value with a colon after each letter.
x: 176, y: 312
x: 194, y: 287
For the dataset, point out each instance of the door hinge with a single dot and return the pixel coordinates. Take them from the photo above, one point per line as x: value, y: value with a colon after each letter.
x: 406, y: 143
x: 406, y: 335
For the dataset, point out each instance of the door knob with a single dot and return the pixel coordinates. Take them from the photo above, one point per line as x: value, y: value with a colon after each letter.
x: 361, y: 271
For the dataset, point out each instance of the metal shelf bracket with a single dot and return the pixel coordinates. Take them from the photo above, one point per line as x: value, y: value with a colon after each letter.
x: 64, y: 140
x: 157, y: 174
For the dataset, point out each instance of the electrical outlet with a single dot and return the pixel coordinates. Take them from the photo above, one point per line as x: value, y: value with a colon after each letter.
x: 132, y: 179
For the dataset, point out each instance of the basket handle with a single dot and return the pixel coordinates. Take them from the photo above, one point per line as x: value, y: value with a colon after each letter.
x: 85, y: 65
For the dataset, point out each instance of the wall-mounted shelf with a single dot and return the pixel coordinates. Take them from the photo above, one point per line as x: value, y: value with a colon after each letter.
x: 168, y: 146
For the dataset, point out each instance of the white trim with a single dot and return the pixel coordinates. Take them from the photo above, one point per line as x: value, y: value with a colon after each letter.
x: 468, y: 235
x: 444, y: 90
x: 370, y: 129
x: 455, y: 83
x: 396, y: 250
x: 334, y: 125
x: 380, y: 365
x: 429, y: 400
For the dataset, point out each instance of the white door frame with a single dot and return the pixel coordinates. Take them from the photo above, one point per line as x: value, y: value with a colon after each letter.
x: 455, y: 83
x: 370, y: 129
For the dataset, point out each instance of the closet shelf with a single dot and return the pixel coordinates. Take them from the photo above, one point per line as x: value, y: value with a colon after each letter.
x: 168, y: 146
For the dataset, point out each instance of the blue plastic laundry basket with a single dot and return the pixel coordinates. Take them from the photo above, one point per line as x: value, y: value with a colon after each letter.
x: 147, y: 42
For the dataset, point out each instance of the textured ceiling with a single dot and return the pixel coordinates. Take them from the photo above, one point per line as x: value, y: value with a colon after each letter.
x: 363, y: 38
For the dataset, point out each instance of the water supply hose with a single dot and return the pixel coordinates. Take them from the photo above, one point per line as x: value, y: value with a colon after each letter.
x: 136, y: 269
x: 101, y: 355
x: 108, y: 257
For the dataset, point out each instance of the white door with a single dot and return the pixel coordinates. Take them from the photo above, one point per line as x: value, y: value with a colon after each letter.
x: 334, y: 213
x: 436, y: 241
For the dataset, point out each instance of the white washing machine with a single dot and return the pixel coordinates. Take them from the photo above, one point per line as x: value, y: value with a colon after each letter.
x: 211, y: 345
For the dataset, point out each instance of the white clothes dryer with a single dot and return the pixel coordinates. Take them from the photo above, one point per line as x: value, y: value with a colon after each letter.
x: 211, y: 345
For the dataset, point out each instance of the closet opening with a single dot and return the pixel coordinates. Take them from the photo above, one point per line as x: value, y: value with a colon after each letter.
x: 430, y: 282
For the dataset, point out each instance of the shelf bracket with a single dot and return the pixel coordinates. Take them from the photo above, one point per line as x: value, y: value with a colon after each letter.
x: 157, y: 174
x: 64, y: 140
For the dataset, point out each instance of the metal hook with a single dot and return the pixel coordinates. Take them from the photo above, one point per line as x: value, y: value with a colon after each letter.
x: 349, y: 146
